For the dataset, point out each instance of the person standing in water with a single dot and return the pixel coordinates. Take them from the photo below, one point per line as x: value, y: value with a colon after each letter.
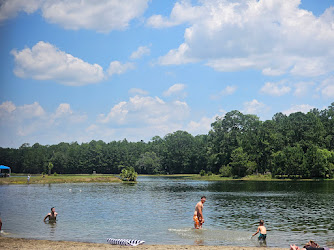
x: 263, y: 232
x: 198, y: 214
x: 52, y: 216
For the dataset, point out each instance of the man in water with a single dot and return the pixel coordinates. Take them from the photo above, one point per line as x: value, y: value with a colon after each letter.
x: 52, y: 216
x: 198, y: 214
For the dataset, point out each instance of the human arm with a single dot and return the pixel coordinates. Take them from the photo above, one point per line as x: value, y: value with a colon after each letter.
x: 200, y: 213
x: 258, y: 230
x: 48, y: 215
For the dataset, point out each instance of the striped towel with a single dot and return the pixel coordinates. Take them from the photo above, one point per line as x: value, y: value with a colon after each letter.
x: 125, y: 242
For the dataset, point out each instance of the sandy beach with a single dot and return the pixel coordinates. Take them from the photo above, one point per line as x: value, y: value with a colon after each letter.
x: 19, y: 243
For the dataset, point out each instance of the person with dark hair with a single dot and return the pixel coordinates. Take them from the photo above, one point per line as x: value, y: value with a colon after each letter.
x: 263, y: 233
x: 198, y: 214
x: 294, y: 247
x: 311, y: 245
x: 52, y: 216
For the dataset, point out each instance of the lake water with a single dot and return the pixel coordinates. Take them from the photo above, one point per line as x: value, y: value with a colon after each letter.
x: 159, y: 210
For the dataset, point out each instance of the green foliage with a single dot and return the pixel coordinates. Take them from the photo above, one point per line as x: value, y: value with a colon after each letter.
x: 50, y: 167
x: 296, y: 145
x: 55, y: 174
x: 128, y: 174
x: 225, y: 171
x: 149, y: 163
x: 202, y: 172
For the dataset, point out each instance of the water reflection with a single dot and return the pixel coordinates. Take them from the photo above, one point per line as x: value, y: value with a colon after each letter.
x: 294, y: 212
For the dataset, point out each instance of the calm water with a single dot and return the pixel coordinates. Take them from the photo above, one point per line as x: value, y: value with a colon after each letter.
x: 159, y: 210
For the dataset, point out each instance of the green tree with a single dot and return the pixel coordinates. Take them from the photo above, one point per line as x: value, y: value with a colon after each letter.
x: 225, y: 171
x: 128, y: 174
x: 149, y: 163
x: 240, y: 164
x: 50, y: 167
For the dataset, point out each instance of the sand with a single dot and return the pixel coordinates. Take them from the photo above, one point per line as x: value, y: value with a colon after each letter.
x: 19, y: 243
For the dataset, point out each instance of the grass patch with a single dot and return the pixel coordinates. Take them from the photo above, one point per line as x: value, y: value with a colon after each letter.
x: 39, y: 179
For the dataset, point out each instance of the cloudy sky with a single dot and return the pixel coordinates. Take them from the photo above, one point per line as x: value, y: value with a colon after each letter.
x: 85, y: 70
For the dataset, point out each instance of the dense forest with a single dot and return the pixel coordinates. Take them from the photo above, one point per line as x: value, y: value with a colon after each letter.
x: 298, y: 145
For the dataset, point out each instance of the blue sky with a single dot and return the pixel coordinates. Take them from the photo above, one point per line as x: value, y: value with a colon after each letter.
x: 107, y: 70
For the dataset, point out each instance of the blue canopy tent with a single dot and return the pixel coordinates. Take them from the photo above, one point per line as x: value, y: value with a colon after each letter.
x: 2, y: 167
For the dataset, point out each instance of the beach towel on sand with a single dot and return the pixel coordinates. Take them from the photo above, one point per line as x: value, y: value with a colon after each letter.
x: 125, y: 242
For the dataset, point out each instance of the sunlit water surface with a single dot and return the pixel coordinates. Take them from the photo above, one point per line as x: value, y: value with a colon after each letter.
x: 159, y: 210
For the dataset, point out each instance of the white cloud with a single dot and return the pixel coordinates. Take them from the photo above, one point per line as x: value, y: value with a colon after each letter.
x: 10, y: 8
x: 326, y: 88
x: 31, y: 123
x: 145, y: 110
x: 275, y: 89
x: 6, y: 107
x: 117, y: 67
x: 46, y: 62
x: 255, y: 107
x: 135, y: 91
x: 304, y: 108
x: 228, y: 90
x: 176, y: 89
x: 203, y: 126
x: 302, y: 88
x: 276, y: 37
x: 140, y: 52
x: 182, y: 12
x: 102, y: 16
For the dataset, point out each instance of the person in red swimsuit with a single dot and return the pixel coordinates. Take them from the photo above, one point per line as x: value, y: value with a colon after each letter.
x: 198, y: 214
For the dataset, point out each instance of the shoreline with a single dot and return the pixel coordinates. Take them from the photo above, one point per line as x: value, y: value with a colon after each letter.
x: 111, y: 178
x: 22, y: 243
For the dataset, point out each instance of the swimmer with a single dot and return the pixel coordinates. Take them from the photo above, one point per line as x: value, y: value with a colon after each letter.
x: 294, y: 247
x: 263, y: 232
x: 52, y: 216
x: 198, y: 214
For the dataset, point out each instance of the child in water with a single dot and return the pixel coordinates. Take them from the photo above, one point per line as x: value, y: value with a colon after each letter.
x: 263, y: 232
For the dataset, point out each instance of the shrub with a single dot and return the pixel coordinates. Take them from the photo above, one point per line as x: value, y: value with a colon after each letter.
x: 202, y: 172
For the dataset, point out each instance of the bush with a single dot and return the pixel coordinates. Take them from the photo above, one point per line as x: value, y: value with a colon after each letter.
x: 128, y: 174
x: 202, y: 172
x: 209, y: 173
x: 225, y: 171
x: 55, y: 174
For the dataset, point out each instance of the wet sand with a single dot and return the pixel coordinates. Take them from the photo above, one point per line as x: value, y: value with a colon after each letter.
x: 19, y: 243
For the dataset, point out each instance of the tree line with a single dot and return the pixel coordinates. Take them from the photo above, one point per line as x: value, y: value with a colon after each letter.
x: 297, y: 145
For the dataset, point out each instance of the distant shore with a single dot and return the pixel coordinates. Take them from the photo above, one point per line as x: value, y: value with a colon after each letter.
x: 80, y: 178
x: 20, y: 243
x: 48, y: 179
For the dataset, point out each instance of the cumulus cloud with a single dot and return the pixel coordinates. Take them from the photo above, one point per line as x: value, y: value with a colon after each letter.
x: 10, y: 8
x: 140, y: 52
x: 271, y: 36
x: 44, y: 61
x: 102, y: 16
x: 202, y: 126
x: 298, y: 108
x: 182, y: 12
x: 255, y: 107
x: 176, y: 89
x: 228, y: 90
x: 326, y: 88
x: 145, y: 110
x: 136, y: 91
x: 302, y: 88
x: 275, y: 89
x: 31, y: 123
x: 118, y: 68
